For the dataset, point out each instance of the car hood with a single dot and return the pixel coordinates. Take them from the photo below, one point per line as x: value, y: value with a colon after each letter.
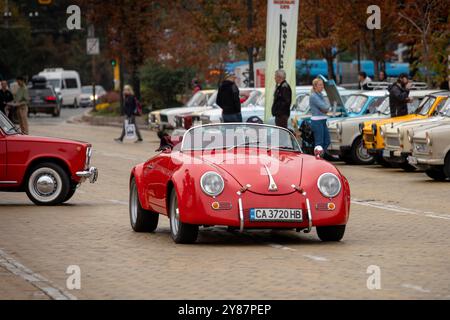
x: 38, y: 139
x: 181, y: 110
x: 413, y: 123
x: 284, y: 167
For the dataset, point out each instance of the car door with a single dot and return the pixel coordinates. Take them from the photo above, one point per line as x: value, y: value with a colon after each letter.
x: 3, y: 157
x: 155, y: 177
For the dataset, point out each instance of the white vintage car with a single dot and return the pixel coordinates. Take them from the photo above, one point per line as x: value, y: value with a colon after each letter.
x: 397, y: 136
x: 345, y: 134
x: 431, y: 150
x: 161, y: 119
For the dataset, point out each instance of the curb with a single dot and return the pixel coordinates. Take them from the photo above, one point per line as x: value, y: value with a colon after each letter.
x: 117, y: 122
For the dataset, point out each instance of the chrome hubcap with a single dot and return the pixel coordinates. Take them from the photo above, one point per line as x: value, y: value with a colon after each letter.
x: 133, y: 205
x: 45, y: 184
x: 363, y: 154
x: 175, y: 217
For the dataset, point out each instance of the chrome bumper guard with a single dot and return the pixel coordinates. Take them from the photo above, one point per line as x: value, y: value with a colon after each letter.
x: 91, y: 174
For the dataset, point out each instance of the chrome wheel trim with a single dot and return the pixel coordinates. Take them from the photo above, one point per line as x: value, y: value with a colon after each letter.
x: 45, y: 185
x: 174, y: 217
x: 133, y: 204
x: 362, y: 153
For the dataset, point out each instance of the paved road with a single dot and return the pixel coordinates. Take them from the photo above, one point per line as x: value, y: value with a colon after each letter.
x: 400, y: 223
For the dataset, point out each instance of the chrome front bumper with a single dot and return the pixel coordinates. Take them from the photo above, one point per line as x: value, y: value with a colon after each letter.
x: 91, y: 174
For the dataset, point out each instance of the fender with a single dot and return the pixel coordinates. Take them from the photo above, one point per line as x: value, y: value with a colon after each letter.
x: 136, y: 172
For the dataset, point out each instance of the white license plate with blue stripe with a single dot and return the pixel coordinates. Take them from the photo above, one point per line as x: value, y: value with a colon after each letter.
x: 276, y: 215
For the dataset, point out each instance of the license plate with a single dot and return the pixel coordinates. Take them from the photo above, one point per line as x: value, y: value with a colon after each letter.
x: 386, y: 154
x: 276, y: 215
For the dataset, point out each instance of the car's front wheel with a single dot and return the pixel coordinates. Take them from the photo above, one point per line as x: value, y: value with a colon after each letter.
x: 359, y: 154
x: 181, y: 232
x: 141, y: 220
x: 331, y: 233
x: 437, y: 174
x: 48, y: 184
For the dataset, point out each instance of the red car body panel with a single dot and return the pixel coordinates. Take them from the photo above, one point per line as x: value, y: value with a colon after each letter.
x: 18, y: 152
x: 183, y: 170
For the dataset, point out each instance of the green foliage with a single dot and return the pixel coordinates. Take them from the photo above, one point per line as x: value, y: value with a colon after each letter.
x: 161, y: 84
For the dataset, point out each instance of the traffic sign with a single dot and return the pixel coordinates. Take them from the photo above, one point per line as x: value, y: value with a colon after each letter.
x: 93, y: 46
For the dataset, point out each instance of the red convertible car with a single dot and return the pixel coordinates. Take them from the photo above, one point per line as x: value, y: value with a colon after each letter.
x: 244, y: 176
x: 49, y: 170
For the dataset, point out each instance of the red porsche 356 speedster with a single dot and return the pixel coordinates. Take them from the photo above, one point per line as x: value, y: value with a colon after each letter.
x: 49, y: 170
x: 244, y: 176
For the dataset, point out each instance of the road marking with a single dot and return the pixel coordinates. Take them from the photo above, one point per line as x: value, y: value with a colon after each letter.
x: 315, y: 258
x: 122, y: 203
x: 414, y: 287
x: 279, y: 246
x: 33, y: 278
x: 394, y: 208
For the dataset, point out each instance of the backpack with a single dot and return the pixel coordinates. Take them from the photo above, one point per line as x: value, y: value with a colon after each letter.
x: 138, y: 110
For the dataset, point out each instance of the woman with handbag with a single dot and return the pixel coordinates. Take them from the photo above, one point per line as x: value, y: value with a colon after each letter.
x: 130, y: 110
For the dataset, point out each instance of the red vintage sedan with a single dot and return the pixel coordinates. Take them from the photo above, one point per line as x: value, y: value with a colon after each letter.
x: 49, y: 170
x: 244, y: 176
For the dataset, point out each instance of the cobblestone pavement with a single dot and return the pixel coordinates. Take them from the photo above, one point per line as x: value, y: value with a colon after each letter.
x: 399, y: 222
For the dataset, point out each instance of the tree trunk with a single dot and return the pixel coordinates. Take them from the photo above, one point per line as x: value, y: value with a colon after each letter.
x: 330, y: 59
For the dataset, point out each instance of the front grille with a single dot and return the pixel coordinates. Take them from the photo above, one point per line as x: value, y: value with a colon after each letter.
x: 164, y: 118
x: 369, y: 137
x: 178, y: 122
x: 392, y: 142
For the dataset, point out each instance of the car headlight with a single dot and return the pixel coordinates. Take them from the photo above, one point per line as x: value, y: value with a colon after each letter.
x: 329, y: 185
x: 429, y: 141
x: 410, y: 136
x: 361, y: 127
x: 339, y: 128
x: 212, y: 183
x: 374, y: 129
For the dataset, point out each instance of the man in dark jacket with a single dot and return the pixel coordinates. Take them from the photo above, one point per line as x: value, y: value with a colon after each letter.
x: 399, y: 96
x: 228, y: 99
x: 5, y: 96
x: 281, y: 108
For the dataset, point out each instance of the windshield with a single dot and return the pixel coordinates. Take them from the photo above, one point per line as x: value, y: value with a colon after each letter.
x: 355, y: 103
x: 445, y: 111
x: 6, y: 125
x: 55, y: 83
x: 425, y: 106
x: 253, y: 99
x: 384, y: 108
x: 212, y: 99
x: 375, y: 104
x: 198, y: 99
x: 226, y: 136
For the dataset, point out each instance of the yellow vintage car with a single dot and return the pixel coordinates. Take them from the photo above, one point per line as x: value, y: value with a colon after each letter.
x: 374, y: 140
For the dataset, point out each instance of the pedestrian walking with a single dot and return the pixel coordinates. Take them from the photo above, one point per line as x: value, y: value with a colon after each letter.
x: 399, y: 96
x: 319, y: 109
x: 130, y: 110
x: 281, y: 108
x: 364, y: 81
x: 5, y: 97
x: 21, y: 101
x: 229, y: 100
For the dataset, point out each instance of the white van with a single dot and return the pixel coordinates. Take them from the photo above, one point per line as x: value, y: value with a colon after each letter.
x: 66, y: 83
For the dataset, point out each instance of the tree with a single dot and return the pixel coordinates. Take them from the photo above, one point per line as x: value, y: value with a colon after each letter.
x: 426, y: 22
x: 321, y: 31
